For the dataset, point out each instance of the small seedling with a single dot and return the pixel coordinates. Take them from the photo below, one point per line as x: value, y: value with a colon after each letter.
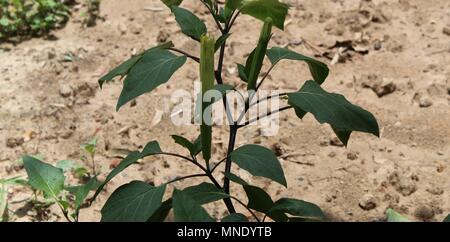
x: 155, y: 66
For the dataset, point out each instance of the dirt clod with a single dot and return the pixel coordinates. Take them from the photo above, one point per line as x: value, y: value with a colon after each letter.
x: 367, y: 202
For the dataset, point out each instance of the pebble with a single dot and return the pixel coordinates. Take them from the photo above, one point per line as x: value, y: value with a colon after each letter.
x: 424, y: 213
x: 425, y: 102
x: 65, y: 90
x: 14, y: 142
x: 446, y: 31
x: 367, y: 202
x: 352, y: 156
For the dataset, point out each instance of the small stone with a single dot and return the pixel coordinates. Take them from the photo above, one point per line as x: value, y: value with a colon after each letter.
x: 332, y: 154
x: 446, y: 31
x: 424, y: 213
x: 425, y: 102
x: 367, y: 202
x: 377, y: 45
x: 278, y: 149
x: 162, y: 36
x: 352, y: 156
x: 123, y: 28
x: 435, y: 190
x: 65, y: 91
x: 14, y: 142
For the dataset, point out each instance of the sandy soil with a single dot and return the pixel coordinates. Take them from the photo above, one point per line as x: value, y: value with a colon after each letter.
x: 394, y: 61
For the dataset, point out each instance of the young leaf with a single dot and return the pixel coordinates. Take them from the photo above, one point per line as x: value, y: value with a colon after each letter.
x: 186, y: 209
x: 44, y: 177
x: 151, y: 148
x: 263, y: 9
x: 333, y: 109
x: 205, y: 193
x: 318, y: 69
x: 220, y: 41
x: 299, y: 209
x: 161, y: 213
x: 190, y: 24
x: 81, y: 192
x: 207, y: 77
x: 134, y: 202
x: 193, y: 148
x: 236, y: 179
x: 132, y: 158
x: 170, y: 3
x: 90, y: 147
x: 154, y: 68
x: 234, y: 217
x: 256, y: 59
x: 259, y: 161
x: 393, y: 216
x: 124, y: 68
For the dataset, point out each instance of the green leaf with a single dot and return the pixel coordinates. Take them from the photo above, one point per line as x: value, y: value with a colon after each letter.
x: 393, y: 216
x: 90, y: 147
x: 190, y: 24
x: 235, y: 217
x: 134, y: 202
x: 3, y: 202
x: 263, y: 9
x: 299, y: 209
x: 223, y: 89
x: 447, y: 219
x: 132, y: 158
x: 186, y: 209
x: 205, y: 193
x: 221, y: 40
x: 81, y: 192
x: 154, y: 68
x: 151, y: 148
x: 233, y: 4
x: 242, y: 72
x: 193, y: 148
x: 259, y: 161
x: 44, y: 177
x: 124, y: 68
x: 258, y: 199
x: 236, y: 179
x: 343, y: 135
x: 161, y: 213
x: 318, y: 69
x: 170, y: 3
x: 333, y: 109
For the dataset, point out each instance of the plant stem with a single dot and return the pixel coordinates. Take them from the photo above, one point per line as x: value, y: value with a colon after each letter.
x: 265, y: 116
x: 245, y: 206
x: 194, y: 58
x: 186, y: 177
x: 228, y: 164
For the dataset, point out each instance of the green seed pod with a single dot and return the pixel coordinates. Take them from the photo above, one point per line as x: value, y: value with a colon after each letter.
x: 207, y: 79
x: 259, y: 54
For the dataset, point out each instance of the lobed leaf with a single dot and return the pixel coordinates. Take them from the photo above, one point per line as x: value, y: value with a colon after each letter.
x: 262, y: 9
x: 318, y: 69
x: 335, y: 110
x: 170, y: 3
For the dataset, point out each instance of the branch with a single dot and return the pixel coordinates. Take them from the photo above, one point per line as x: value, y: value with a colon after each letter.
x: 245, y: 206
x: 186, y: 177
x: 265, y: 116
x: 248, y: 107
x: 194, y: 58
x: 265, y: 77
x: 214, y: 17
